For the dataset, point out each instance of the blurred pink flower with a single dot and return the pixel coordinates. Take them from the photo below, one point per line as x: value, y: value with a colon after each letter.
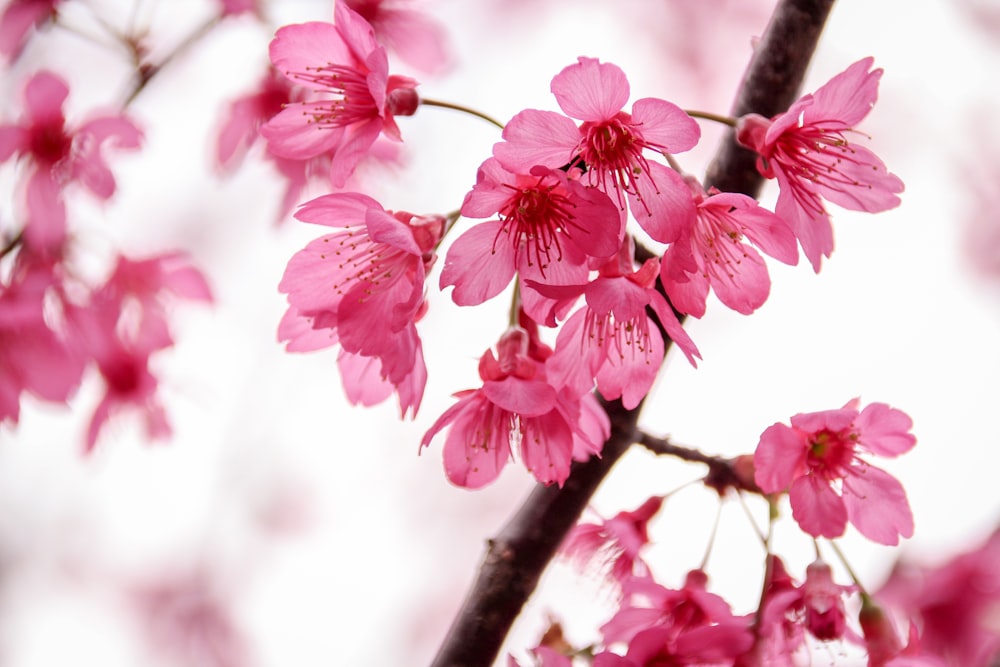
x: 33, y: 357
x: 59, y: 155
x: 123, y: 325
x: 19, y: 18
x: 714, y: 253
x: 413, y: 35
x: 609, y: 144
x: 647, y: 605
x: 817, y: 605
x: 615, y: 543
x: 349, y: 69
x: 807, y: 150
x: 956, y: 604
x: 817, y: 461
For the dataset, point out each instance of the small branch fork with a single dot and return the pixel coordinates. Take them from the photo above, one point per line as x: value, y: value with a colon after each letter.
x: 517, y: 556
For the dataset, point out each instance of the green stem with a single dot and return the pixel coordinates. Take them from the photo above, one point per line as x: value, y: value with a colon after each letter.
x: 707, y: 115
x: 458, y: 107
x: 847, y: 566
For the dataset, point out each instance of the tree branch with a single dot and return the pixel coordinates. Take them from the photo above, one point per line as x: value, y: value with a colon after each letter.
x: 516, y: 558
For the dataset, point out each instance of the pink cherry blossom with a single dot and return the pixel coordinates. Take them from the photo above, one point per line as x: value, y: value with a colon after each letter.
x: 610, y: 144
x: 412, y: 34
x: 714, y: 253
x: 58, y: 155
x: 954, y: 603
x: 362, y: 286
x: 807, y: 150
x: 611, y: 339
x: 34, y: 358
x: 818, y: 461
x: 648, y: 605
x: 357, y: 98
x: 614, y: 543
x: 123, y: 325
x: 818, y: 605
x: 705, y: 645
x: 547, y: 223
x: 19, y: 18
x: 516, y: 406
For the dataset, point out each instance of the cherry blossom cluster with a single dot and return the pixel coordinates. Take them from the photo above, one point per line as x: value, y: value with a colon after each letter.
x: 657, y: 625
x: 557, y: 201
x: 54, y: 324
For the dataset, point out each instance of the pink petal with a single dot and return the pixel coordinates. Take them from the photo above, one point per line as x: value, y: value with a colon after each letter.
x: 384, y: 228
x: 301, y: 47
x: 884, y: 430
x: 862, y: 181
x: 674, y: 328
x: 846, y: 98
x: 547, y: 447
x: 537, y: 137
x: 356, y: 144
x: 469, y: 462
x: 817, y: 508
x: 744, y: 287
x: 591, y: 90
x: 527, y: 398
x: 629, y: 373
x: 877, y: 506
x: 346, y: 210
x: 44, y: 96
x: 663, y: 206
x: 13, y: 139
x: 357, y: 33
x: 477, y: 266
x: 665, y: 125
x: 46, y: 228
x: 779, y: 458
x: 290, y: 135
x: 296, y: 330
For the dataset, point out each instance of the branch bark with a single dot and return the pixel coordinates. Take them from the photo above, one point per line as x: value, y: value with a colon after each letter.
x: 516, y: 558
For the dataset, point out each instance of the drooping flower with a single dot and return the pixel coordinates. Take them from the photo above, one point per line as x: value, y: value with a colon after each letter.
x: 363, y: 285
x: 614, y: 543
x: 705, y: 645
x: 58, y: 155
x: 610, y: 144
x: 611, y: 339
x: 647, y: 605
x: 357, y: 98
x: 19, y: 18
x: 818, y: 461
x: 546, y: 223
x: 714, y: 253
x: 515, y: 407
x: 817, y: 606
x: 808, y: 151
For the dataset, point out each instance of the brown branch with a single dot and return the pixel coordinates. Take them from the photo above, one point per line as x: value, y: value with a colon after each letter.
x: 516, y: 558
x: 723, y: 474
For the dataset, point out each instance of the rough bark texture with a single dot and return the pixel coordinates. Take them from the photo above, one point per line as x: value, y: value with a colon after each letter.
x: 516, y: 558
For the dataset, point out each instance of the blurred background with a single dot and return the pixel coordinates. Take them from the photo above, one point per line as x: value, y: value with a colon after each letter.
x: 279, y: 525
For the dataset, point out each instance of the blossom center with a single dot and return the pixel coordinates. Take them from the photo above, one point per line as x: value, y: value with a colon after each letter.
x: 536, y: 216
x: 353, y: 102
x: 49, y: 143
x: 830, y: 452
